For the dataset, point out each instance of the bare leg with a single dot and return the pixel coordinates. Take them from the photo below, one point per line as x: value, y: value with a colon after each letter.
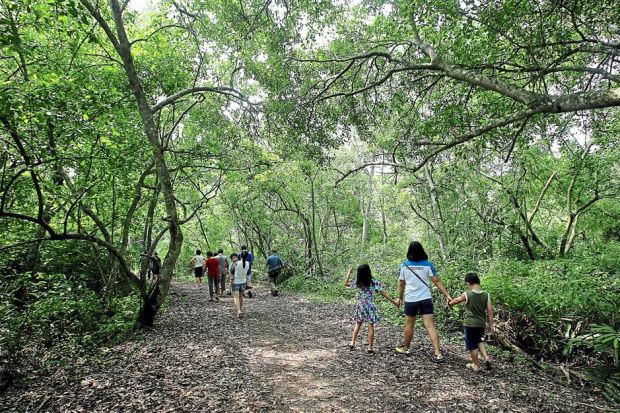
x: 483, y: 351
x: 240, y: 303
x: 236, y: 296
x: 474, y: 359
x: 356, y: 331
x: 432, y: 333
x: 371, y: 335
x: 409, y: 323
x: 198, y: 282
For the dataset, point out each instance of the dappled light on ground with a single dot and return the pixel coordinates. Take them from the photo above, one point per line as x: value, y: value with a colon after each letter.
x: 286, y: 355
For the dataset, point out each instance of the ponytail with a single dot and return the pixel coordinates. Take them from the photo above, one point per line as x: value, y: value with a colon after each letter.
x: 244, y: 256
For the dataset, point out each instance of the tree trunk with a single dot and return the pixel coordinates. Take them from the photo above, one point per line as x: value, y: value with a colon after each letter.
x: 316, y: 249
x: 436, y: 211
x: 152, y: 302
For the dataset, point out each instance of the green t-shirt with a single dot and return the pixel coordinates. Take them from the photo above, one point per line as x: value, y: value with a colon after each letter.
x: 476, y: 309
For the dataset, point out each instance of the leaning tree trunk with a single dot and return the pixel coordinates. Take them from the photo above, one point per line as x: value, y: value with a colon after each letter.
x: 153, y: 300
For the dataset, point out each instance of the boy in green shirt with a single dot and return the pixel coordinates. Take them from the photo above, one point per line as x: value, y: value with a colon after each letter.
x: 478, y: 309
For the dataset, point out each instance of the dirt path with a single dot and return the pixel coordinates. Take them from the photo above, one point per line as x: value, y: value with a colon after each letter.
x: 287, y: 355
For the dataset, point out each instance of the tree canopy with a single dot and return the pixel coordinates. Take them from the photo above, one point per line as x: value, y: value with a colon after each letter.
x: 333, y: 131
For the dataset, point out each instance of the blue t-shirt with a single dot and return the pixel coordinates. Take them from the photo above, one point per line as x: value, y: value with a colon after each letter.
x: 426, y: 263
x: 274, y: 262
x: 417, y: 288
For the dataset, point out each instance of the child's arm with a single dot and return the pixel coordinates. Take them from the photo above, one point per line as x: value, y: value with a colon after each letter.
x: 387, y: 297
x: 347, y: 281
x: 490, y: 315
x: 458, y: 300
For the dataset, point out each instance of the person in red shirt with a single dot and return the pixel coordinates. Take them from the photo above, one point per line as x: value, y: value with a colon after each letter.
x: 212, y: 266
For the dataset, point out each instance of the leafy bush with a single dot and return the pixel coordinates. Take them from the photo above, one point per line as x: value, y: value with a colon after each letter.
x: 59, y: 318
x: 553, y: 301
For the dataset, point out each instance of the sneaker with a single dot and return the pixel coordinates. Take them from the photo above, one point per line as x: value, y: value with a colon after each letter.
x: 488, y: 365
x: 250, y: 295
x: 370, y: 351
x: 351, y: 346
x: 210, y: 299
x: 403, y: 350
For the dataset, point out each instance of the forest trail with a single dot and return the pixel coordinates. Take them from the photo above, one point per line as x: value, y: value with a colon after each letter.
x: 287, y: 355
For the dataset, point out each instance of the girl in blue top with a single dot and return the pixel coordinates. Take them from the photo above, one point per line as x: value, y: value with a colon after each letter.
x: 366, y: 309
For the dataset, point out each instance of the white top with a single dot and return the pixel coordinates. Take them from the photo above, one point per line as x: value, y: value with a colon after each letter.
x: 241, y: 272
x: 199, y: 261
x: 415, y: 289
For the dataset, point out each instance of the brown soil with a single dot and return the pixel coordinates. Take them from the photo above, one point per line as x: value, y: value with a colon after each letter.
x: 287, y: 355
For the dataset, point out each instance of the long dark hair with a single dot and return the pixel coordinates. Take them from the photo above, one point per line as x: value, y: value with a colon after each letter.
x: 416, y: 252
x: 244, y: 256
x: 364, y: 276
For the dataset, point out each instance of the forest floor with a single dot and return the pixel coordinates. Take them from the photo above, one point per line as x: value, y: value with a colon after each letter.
x: 287, y: 355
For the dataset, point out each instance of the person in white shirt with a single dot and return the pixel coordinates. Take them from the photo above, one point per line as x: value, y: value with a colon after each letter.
x: 198, y: 261
x: 416, y: 275
x: 239, y: 283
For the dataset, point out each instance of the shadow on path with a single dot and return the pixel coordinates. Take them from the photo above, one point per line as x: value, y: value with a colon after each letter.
x: 286, y: 355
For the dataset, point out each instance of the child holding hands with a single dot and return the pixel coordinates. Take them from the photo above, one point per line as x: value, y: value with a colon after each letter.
x: 478, y: 308
x: 366, y: 309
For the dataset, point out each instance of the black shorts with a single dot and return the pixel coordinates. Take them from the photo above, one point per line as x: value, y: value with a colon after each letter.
x: 473, y: 337
x: 198, y: 272
x: 419, y: 307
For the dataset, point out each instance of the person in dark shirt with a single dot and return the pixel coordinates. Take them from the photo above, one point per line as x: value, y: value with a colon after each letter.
x: 250, y: 259
x: 154, y: 265
x: 274, y: 267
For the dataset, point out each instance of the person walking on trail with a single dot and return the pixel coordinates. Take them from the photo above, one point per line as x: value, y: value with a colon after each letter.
x: 366, y: 310
x: 198, y: 261
x: 250, y: 259
x: 213, y: 274
x: 274, y: 267
x: 155, y: 265
x: 231, y: 270
x: 223, y: 261
x: 240, y: 278
x: 478, y: 309
x: 415, y: 276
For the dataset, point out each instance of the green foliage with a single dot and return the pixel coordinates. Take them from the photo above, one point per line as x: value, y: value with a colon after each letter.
x: 551, y: 302
x: 49, y: 319
x: 604, y: 339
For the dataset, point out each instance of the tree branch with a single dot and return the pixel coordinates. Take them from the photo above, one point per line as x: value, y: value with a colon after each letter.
x: 223, y: 90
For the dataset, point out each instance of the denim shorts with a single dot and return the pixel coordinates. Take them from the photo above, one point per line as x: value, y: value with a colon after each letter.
x: 473, y: 337
x: 419, y: 307
x: 239, y: 287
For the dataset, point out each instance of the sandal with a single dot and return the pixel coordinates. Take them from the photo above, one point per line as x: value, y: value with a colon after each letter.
x: 351, y: 346
x: 403, y: 350
x: 438, y: 358
x: 473, y: 367
x: 370, y: 351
